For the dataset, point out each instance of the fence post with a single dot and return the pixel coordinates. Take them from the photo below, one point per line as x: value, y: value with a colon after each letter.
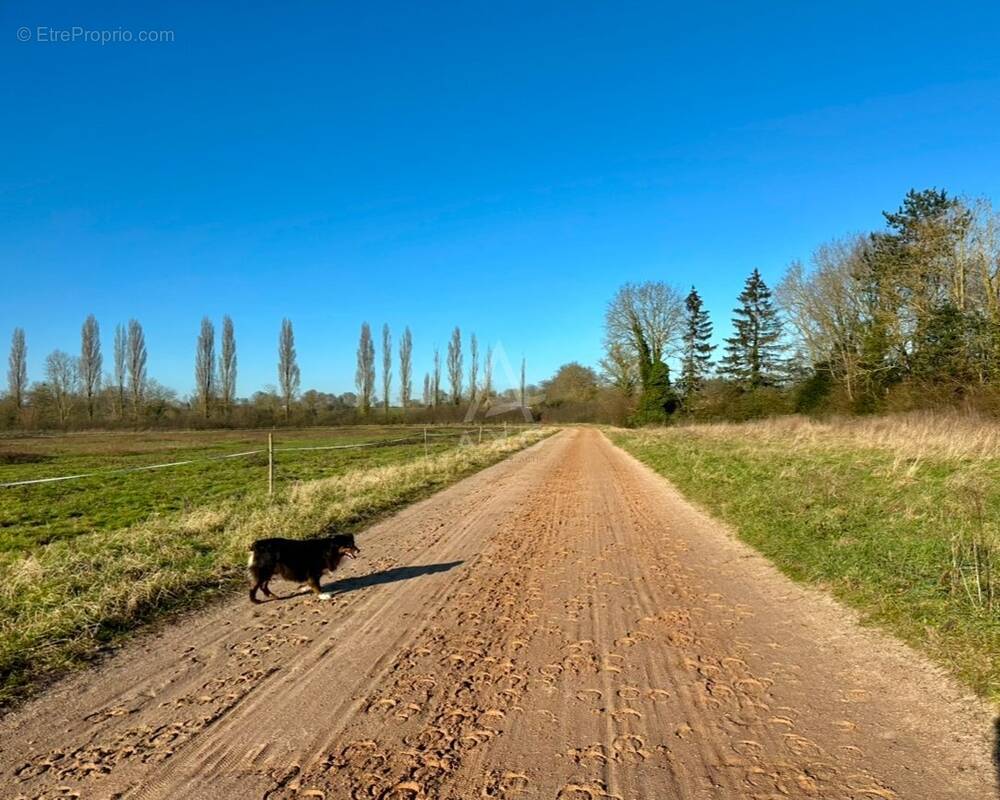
x: 480, y: 433
x: 425, y: 442
x: 505, y: 430
x: 270, y: 464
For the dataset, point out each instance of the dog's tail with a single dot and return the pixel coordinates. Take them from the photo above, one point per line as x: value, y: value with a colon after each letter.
x: 253, y: 555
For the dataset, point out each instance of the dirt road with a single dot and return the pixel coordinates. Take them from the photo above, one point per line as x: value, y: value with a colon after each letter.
x: 562, y: 625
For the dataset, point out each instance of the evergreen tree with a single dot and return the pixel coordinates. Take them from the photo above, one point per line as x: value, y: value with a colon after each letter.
x: 753, y: 353
x: 658, y: 400
x: 696, y: 359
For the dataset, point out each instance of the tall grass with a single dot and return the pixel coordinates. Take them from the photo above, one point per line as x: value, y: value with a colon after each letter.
x: 898, y: 516
x: 62, y: 602
x: 914, y: 435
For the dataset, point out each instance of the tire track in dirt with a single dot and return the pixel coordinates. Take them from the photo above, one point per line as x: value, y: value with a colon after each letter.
x: 600, y: 640
x: 241, y: 692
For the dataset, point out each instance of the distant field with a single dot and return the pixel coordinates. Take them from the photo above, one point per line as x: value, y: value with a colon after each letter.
x: 42, y: 513
x: 897, y: 516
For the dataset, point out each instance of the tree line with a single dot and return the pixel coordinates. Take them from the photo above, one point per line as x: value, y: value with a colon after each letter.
x: 77, y: 392
x: 899, y: 318
x: 907, y: 316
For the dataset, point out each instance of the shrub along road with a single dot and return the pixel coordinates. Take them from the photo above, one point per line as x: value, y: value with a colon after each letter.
x: 560, y: 625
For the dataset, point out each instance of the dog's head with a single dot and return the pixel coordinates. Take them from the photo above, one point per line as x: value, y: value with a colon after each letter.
x: 343, y: 545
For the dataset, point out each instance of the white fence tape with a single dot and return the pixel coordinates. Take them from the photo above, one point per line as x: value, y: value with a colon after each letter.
x: 346, y: 446
x: 124, y: 470
x: 149, y: 467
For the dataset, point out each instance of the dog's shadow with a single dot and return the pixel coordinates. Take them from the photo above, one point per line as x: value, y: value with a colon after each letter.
x: 345, y: 585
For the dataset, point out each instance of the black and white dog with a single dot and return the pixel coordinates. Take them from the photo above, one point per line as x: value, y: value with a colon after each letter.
x: 301, y: 560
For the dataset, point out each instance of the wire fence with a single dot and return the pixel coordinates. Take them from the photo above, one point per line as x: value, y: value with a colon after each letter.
x: 270, y: 451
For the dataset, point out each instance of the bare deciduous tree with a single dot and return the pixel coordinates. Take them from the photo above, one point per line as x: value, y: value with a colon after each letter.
x: 289, y: 376
x: 227, y: 366
x: 646, y: 315
x: 825, y: 308
x: 90, y: 362
x: 61, y: 375
x: 488, y: 376
x: 17, y: 373
x: 405, y: 368
x: 386, y: 367
x: 121, y: 368
x: 620, y: 369
x: 364, y: 375
x: 473, y: 367
x: 427, y: 389
x: 436, y: 380
x: 204, y: 366
x: 523, y: 368
x: 136, y: 365
x: 455, y: 365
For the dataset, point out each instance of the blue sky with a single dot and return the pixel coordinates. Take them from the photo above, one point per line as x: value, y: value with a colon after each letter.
x: 500, y: 166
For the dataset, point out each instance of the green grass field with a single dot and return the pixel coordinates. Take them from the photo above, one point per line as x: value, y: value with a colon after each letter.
x: 81, y: 569
x: 898, y: 518
x: 42, y: 513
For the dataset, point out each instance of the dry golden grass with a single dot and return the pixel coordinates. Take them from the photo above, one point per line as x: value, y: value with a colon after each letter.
x: 61, y: 602
x: 914, y: 435
x: 897, y: 515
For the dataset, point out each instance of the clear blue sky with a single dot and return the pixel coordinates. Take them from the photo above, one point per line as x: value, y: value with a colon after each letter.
x: 500, y: 166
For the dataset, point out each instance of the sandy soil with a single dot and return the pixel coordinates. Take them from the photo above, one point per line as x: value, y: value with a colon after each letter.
x: 561, y: 625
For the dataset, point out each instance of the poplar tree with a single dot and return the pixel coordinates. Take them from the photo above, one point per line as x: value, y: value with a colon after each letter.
x: 455, y: 365
x: 204, y: 366
x: 488, y: 376
x: 364, y: 375
x: 90, y: 362
x: 136, y: 363
x: 289, y: 376
x: 436, y: 380
x: 386, y: 367
x: 121, y: 367
x: 523, y: 369
x: 227, y: 366
x: 405, y: 368
x: 17, y: 374
x: 473, y: 368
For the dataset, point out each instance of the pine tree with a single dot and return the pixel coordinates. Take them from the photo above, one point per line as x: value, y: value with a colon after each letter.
x: 696, y: 360
x: 753, y: 353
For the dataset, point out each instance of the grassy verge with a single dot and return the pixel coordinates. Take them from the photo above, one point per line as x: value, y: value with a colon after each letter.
x: 64, y: 601
x: 897, y: 517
